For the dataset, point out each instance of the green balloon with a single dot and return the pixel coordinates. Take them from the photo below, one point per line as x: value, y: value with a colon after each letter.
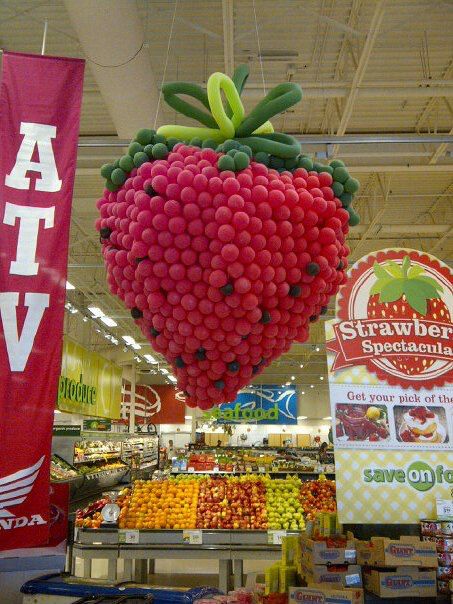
x: 305, y: 162
x: 340, y: 174
x: 337, y: 188
x: 354, y: 218
x: 230, y: 144
x: 276, y: 162
x: 291, y: 163
x: 160, y: 151
x: 118, y: 176
x: 106, y: 170
x: 262, y: 158
x: 352, y: 185
x: 226, y: 163
x: 159, y: 138
x: 328, y: 169
x: 126, y: 163
x: 140, y: 158
x: 145, y: 136
x: 246, y: 149
x: 110, y: 186
x: 209, y: 143
x: 196, y: 142
x: 337, y: 163
x: 232, y: 152
x: 134, y: 148
x: 318, y: 167
x: 346, y: 199
x: 171, y: 142
x: 148, y: 150
x: 241, y: 160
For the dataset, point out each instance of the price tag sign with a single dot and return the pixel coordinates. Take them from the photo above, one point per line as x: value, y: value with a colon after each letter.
x: 216, y: 469
x: 275, y: 537
x: 191, y: 470
x: 128, y: 537
x: 444, y: 509
x: 262, y: 470
x: 193, y: 537
x: 350, y: 555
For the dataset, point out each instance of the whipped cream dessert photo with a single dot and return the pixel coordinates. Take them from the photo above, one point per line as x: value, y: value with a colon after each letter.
x: 421, y: 424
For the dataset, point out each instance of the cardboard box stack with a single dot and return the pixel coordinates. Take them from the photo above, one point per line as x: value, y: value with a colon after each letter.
x: 398, y: 568
x: 440, y: 533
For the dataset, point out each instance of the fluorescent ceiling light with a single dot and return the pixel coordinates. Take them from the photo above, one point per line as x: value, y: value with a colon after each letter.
x: 328, y: 417
x: 172, y: 378
x: 302, y: 416
x: 303, y: 391
x: 96, y: 311
x: 293, y: 377
x: 187, y: 417
x: 311, y: 386
x: 317, y: 349
x: 301, y: 365
x: 150, y: 358
x: 135, y: 346
x: 69, y: 285
x: 108, y: 321
x: 164, y: 371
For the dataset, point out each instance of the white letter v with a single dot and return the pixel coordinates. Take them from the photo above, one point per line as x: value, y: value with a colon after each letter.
x: 19, y: 349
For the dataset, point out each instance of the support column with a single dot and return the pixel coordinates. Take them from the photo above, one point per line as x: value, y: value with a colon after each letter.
x: 132, y: 407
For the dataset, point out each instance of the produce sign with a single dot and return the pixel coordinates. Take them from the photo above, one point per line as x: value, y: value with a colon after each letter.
x: 390, y: 363
x: 40, y: 100
x: 233, y: 503
x: 258, y: 405
x: 89, y: 384
x: 224, y: 241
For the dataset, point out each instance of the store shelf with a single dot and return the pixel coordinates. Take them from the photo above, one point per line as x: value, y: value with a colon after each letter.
x: 100, y: 457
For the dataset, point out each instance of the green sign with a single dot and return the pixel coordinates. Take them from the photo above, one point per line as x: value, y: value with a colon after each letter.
x: 419, y: 475
x: 77, y: 392
x: 99, y: 425
x: 243, y: 414
x: 65, y: 430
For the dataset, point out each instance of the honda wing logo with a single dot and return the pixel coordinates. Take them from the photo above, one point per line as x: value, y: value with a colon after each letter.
x: 15, y: 488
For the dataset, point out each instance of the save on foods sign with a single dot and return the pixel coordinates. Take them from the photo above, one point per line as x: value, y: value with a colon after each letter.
x: 390, y: 359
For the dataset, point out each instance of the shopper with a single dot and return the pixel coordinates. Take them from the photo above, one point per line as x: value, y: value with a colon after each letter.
x: 322, y: 452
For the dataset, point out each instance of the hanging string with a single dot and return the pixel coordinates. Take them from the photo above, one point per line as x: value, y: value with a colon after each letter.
x: 259, y: 48
x: 170, y: 36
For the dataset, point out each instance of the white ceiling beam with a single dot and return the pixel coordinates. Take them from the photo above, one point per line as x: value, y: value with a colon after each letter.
x: 361, y: 67
x: 228, y: 36
x: 331, y: 91
x: 112, y: 38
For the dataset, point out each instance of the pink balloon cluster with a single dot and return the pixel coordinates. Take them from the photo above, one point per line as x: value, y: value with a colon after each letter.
x: 222, y: 271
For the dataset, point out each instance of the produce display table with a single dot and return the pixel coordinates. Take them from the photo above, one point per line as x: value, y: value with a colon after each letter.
x: 230, y: 548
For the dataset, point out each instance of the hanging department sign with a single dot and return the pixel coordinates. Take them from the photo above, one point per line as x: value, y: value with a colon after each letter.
x: 89, y: 384
x: 153, y: 404
x: 258, y: 405
x: 40, y: 100
x: 390, y: 365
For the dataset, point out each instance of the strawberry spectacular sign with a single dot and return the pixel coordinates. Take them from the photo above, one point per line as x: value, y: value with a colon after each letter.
x: 390, y: 360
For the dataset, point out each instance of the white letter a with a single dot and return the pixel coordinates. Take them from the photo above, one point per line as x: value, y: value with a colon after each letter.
x: 19, y: 348
x: 41, y: 135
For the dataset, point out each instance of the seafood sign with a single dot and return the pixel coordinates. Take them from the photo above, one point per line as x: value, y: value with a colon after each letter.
x: 259, y: 404
x: 390, y: 361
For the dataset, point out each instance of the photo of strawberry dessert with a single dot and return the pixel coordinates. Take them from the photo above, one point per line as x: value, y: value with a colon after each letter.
x: 362, y: 423
x: 421, y: 424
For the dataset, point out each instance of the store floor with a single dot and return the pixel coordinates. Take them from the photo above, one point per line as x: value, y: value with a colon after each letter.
x: 178, y: 573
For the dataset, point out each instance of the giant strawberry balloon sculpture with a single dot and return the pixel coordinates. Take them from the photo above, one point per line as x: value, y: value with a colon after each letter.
x: 223, y: 240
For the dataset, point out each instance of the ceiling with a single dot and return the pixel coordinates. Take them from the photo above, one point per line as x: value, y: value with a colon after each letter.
x: 367, y: 68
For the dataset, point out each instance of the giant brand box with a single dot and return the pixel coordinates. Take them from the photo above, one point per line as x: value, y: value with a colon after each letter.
x: 317, y: 552
x: 324, y: 594
x: 407, y: 551
x: 342, y: 575
x: 401, y: 582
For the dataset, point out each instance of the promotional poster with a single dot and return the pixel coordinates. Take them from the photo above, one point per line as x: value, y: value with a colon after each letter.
x: 390, y: 360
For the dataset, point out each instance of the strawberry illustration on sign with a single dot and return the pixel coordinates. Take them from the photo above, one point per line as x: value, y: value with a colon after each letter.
x: 224, y: 241
x: 395, y: 318
x: 406, y: 292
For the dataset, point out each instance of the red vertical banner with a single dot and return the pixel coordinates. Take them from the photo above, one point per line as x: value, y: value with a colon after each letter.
x: 40, y: 100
